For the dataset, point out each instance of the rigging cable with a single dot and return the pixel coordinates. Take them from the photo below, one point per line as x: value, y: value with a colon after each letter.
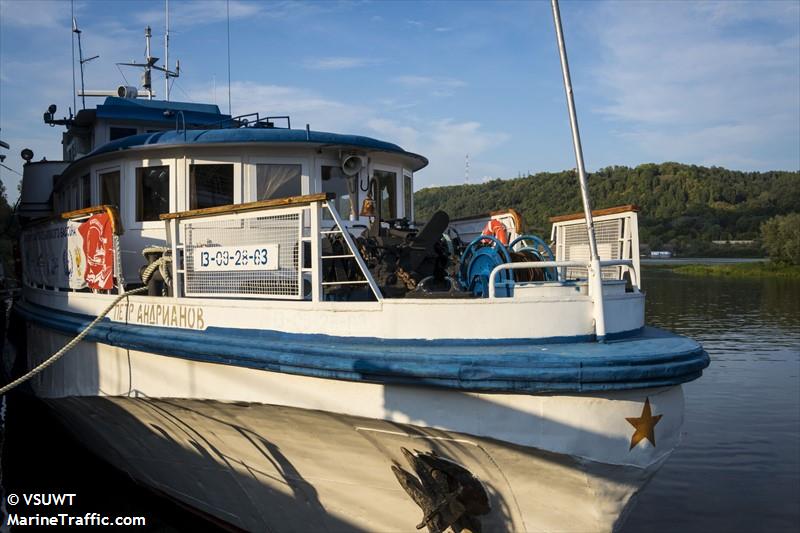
x: 123, y: 75
x: 11, y: 169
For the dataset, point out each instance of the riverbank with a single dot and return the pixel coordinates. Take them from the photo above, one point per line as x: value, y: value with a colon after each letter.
x: 761, y: 269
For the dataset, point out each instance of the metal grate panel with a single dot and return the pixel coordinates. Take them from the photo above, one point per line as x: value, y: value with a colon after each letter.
x: 609, y: 245
x: 279, y: 234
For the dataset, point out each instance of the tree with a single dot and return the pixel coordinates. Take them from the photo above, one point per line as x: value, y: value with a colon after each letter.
x: 780, y: 236
x: 688, y: 205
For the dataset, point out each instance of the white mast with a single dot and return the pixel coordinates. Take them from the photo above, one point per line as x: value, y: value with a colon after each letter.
x: 166, y: 52
x: 595, y: 277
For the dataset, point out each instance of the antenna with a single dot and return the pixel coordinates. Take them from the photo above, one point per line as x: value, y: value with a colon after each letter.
x: 166, y: 51
x: 74, y: 89
x: 228, y: 11
x: 82, y: 60
x: 150, y: 64
x: 466, y: 171
x: 168, y: 73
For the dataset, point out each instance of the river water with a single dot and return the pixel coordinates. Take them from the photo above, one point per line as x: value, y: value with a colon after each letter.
x: 737, y: 470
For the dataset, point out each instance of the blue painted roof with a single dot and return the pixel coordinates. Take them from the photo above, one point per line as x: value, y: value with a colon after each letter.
x: 254, y: 135
x: 646, y: 358
x: 152, y: 111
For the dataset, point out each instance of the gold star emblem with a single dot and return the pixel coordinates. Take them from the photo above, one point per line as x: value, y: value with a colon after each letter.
x: 645, y: 425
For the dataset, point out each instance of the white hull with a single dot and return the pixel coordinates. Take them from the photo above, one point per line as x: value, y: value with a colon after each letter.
x: 272, y: 468
x: 265, y: 450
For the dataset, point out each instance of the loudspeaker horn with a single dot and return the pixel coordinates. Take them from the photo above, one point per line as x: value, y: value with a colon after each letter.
x: 351, y: 164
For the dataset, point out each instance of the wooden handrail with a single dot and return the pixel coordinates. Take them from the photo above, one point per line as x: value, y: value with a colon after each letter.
x: 113, y: 213
x: 251, y: 206
x: 596, y: 213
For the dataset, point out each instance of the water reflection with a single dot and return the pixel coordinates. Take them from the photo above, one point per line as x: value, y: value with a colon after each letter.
x: 738, y: 468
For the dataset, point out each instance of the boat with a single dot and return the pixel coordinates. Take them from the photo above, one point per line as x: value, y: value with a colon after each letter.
x: 248, y: 319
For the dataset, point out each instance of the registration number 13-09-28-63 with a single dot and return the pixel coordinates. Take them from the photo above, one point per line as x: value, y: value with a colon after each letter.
x: 252, y: 257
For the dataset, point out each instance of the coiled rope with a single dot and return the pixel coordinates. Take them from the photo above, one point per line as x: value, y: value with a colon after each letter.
x: 161, y: 264
x: 146, y: 274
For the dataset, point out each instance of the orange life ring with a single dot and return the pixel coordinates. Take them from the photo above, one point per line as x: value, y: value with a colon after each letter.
x: 496, y: 229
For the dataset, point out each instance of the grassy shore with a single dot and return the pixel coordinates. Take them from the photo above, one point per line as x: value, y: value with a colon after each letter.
x: 742, y: 270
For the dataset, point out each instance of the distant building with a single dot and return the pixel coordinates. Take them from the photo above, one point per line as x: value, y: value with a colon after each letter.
x: 660, y: 253
x: 733, y: 243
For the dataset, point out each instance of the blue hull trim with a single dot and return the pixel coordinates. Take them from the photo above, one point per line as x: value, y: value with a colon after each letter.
x: 647, y: 358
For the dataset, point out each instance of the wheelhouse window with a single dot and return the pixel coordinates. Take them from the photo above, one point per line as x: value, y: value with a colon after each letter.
x: 387, y: 191
x: 408, y: 197
x: 278, y: 181
x: 344, y: 186
x: 86, y: 192
x: 152, y: 192
x: 210, y: 185
x: 115, y: 133
x: 109, y: 188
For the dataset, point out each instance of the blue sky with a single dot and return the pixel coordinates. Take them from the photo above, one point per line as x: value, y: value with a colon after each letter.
x: 711, y: 83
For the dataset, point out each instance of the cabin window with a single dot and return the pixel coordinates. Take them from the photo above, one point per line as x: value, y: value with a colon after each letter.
x: 58, y: 199
x: 337, y: 182
x: 210, y: 185
x: 109, y: 188
x: 74, y: 197
x: 278, y: 181
x: 86, y: 192
x: 387, y: 190
x: 408, y: 196
x: 152, y: 192
x: 119, y: 133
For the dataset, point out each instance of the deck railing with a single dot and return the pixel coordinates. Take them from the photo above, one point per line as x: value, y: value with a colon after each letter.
x: 560, y: 265
x: 270, y: 249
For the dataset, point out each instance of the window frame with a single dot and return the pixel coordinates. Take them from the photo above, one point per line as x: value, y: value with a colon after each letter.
x: 131, y: 194
x: 319, y: 163
x: 238, y: 182
x: 398, y: 183
x: 120, y: 126
x: 251, y: 189
x: 97, y: 197
x: 408, y: 210
x: 85, y: 180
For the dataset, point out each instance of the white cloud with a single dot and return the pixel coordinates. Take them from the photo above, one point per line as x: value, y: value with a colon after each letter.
x: 445, y: 142
x: 185, y: 14
x: 36, y: 14
x: 303, y: 105
x: 340, y: 63
x: 404, y: 135
x: 429, y: 81
x: 690, y: 82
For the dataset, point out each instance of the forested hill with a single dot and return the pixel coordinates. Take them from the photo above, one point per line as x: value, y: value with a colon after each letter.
x: 683, y: 207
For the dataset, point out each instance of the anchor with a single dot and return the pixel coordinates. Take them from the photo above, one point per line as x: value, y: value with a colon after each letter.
x: 449, y: 495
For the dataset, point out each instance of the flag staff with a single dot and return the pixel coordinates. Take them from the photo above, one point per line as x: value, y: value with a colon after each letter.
x: 595, y: 277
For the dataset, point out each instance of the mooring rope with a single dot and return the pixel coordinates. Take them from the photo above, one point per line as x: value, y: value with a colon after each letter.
x: 159, y: 264
x: 71, y: 344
